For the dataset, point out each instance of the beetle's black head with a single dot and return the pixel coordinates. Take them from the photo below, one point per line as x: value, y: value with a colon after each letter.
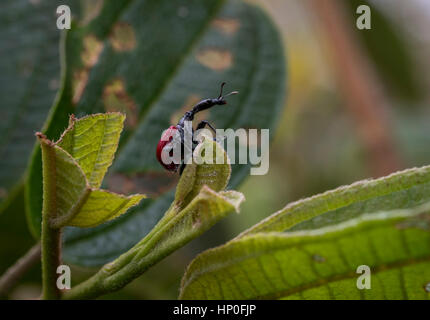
x: 220, y: 101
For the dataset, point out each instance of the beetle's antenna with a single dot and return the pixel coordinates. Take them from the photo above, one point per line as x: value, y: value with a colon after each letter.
x: 229, y: 94
x: 220, y: 92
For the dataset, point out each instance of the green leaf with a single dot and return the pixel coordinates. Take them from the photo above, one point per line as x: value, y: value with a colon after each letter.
x: 321, y: 263
x: 400, y: 190
x: 199, y: 203
x: 154, y: 79
x: 29, y: 80
x: 102, y: 206
x: 197, y: 176
x: 92, y: 142
x: 74, y: 167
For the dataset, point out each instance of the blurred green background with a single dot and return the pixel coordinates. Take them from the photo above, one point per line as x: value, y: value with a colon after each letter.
x: 323, y: 136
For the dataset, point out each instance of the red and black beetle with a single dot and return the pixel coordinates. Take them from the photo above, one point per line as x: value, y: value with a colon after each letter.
x: 168, y: 134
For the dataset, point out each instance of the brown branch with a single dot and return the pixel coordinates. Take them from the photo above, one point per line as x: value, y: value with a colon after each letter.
x: 360, y: 86
x: 12, y: 275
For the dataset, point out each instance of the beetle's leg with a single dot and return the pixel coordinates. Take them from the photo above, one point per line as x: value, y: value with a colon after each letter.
x: 220, y: 91
x: 181, y: 168
x: 204, y: 123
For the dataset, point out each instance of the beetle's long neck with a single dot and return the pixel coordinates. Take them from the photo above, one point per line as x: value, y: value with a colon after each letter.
x: 188, y: 116
x: 206, y: 104
x: 202, y: 105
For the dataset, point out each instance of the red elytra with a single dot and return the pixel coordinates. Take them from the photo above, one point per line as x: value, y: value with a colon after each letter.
x: 166, y: 138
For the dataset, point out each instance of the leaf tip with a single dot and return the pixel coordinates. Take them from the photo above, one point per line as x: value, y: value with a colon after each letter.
x: 72, y: 119
x: 40, y: 135
x: 43, y: 139
x: 235, y: 198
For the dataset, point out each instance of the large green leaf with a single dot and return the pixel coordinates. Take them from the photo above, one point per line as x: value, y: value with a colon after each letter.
x: 321, y: 263
x: 29, y: 79
x: 153, y: 60
x: 400, y: 190
x: 381, y: 223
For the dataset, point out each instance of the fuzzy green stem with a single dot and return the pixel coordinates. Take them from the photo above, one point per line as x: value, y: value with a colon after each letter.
x: 51, y: 259
x: 51, y: 238
x: 115, y: 275
x: 153, y: 248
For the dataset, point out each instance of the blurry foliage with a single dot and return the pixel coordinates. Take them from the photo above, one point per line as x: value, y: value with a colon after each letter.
x: 388, y: 47
x: 314, y: 150
x: 15, y: 238
x: 316, y: 147
x: 29, y: 80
